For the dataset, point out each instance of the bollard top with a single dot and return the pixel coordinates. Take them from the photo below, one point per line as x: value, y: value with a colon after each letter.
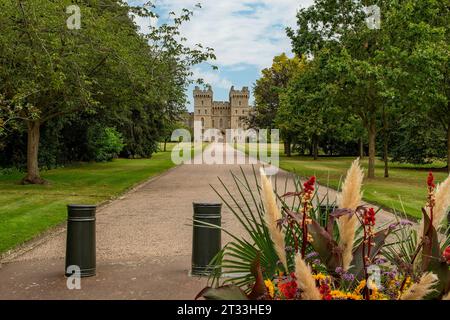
x: 207, y: 210
x: 81, y: 211
x: 206, y: 204
x: 82, y: 206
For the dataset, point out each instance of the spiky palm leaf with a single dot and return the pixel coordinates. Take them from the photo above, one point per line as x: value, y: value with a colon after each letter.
x: 234, y: 261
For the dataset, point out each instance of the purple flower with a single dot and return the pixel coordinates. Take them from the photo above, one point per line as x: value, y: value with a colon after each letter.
x: 348, y: 276
x: 311, y: 255
x: 316, y: 261
x: 393, y: 225
x: 339, y: 270
x: 390, y: 274
x: 404, y: 222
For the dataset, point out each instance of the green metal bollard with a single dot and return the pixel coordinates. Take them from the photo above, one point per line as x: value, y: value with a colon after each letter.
x: 206, y: 240
x: 80, y: 246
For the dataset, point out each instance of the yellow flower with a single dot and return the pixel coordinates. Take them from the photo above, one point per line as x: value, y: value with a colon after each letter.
x: 360, y: 286
x: 376, y: 295
x: 338, y: 294
x: 353, y: 296
x: 408, y: 282
x: 270, y: 287
x: 320, y: 277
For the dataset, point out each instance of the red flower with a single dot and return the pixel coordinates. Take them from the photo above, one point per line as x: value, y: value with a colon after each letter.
x: 430, y: 180
x: 325, y: 291
x: 288, y: 289
x: 369, y: 217
x: 446, y: 255
x: 308, y: 186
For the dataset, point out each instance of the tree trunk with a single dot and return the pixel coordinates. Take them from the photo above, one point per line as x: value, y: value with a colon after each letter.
x: 33, y: 176
x: 385, y: 143
x: 372, y: 138
x: 361, y: 148
x: 448, y: 149
x: 386, y: 160
x: 287, y: 147
x: 315, y: 147
x: 165, y: 145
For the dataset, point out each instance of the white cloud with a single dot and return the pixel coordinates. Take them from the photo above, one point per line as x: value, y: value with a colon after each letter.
x: 245, y: 34
x: 212, y: 77
x: 248, y: 32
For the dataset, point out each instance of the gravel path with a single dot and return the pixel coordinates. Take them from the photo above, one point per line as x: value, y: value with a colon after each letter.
x: 143, y: 241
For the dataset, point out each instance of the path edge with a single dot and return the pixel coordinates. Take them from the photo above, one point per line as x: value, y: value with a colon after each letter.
x: 48, y: 234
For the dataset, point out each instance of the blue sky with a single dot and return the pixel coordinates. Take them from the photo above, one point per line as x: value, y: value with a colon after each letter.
x: 245, y: 34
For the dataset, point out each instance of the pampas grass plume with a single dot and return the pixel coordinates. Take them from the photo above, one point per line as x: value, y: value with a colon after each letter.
x: 350, y: 198
x: 442, y: 202
x: 418, y: 291
x: 272, y: 214
x: 305, y: 280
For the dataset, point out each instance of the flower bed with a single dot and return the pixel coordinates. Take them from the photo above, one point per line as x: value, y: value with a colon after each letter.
x: 303, y: 247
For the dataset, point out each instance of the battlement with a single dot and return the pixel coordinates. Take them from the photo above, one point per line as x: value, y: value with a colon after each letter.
x: 221, y: 105
x: 244, y: 93
x: 203, y: 93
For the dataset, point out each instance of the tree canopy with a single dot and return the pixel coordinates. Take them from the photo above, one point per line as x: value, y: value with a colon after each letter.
x: 389, y: 79
x: 56, y: 80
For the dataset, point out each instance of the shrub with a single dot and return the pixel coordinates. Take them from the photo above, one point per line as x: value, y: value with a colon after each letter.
x: 104, y: 144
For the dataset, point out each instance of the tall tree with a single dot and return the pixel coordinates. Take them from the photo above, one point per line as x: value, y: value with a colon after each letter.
x: 340, y: 28
x: 307, y: 109
x: 267, y: 90
x: 106, y: 65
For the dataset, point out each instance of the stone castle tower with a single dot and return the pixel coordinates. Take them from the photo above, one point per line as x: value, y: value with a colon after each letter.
x: 221, y: 115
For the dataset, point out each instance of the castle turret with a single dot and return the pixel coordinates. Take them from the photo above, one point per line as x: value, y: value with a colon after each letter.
x: 239, y: 106
x: 203, y: 102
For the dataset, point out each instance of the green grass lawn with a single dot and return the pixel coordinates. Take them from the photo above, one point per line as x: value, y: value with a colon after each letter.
x: 404, y: 191
x: 26, y: 211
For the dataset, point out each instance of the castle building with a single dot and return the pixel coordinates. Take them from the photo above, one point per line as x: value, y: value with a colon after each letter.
x: 221, y: 115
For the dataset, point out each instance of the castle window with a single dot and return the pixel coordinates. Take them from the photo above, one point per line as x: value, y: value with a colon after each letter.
x: 213, y: 123
x: 220, y: 111
x: 243, y: 111
x: 221, y: 122
x: 206, y: 111
x: 236, y: 111
x: 202, y: 102
x: 239, y: 103
x: 203, y: 122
